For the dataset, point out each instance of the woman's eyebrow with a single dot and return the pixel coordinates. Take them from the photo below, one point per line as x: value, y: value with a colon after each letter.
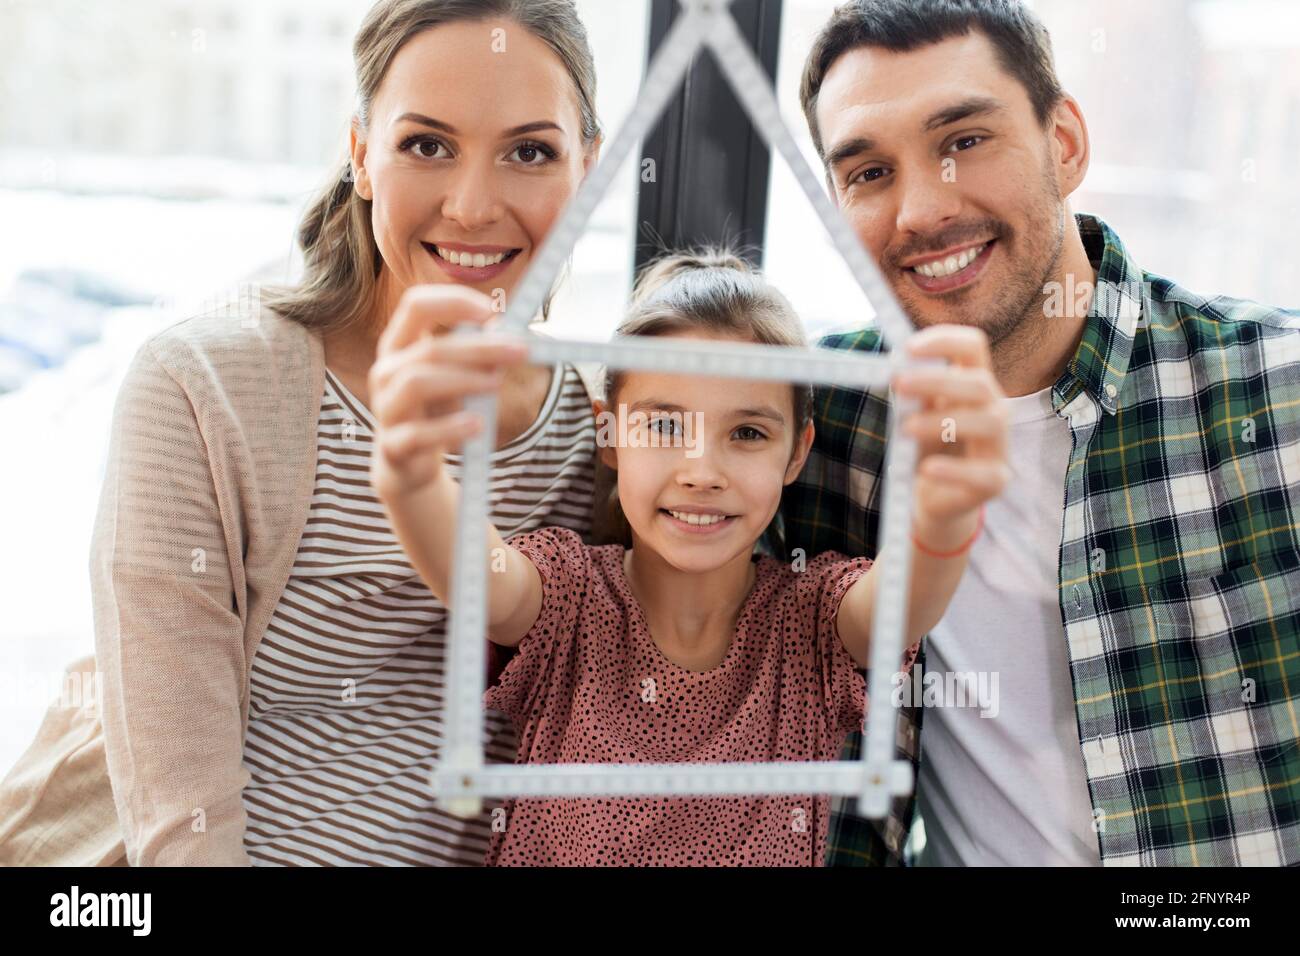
x: 534, y: 127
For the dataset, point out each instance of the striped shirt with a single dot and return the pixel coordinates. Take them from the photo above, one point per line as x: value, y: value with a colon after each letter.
x: 346, y: 688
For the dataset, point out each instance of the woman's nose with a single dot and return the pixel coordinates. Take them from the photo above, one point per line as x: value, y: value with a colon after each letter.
x: 471, y: 199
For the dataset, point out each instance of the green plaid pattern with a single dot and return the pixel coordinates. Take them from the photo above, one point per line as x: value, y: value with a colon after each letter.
x: 1179, y: 567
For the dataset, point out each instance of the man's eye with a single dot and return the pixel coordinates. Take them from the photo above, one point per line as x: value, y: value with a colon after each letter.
x: 966, y: 142
x: 870, y: 175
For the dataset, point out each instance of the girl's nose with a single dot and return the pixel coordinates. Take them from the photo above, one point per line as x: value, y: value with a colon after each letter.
x: 698, y: 475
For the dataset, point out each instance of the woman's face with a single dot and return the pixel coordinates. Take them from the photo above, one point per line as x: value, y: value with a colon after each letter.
x: 701, y: 461
x: 473, y: 149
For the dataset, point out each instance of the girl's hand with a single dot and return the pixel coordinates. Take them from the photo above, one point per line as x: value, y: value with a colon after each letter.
x: 961, y: 429
x: 421, y: 378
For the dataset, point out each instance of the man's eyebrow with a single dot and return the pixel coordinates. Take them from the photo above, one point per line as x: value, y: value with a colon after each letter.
x: 534, y: 127
x: 975, y: 106
x: 848, y: 149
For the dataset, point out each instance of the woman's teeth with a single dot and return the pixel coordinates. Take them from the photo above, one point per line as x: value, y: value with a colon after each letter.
x: 950, y: 266
x: 476, y: 260
x: 697, y: 519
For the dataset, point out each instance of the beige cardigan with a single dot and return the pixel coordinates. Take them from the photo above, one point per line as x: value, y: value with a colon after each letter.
x: 208, y: 484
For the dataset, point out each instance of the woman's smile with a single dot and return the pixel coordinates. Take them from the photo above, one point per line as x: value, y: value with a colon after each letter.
x: 469, y: 264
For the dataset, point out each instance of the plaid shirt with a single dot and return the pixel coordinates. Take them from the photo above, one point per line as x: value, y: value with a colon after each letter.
x: 1179, y: 567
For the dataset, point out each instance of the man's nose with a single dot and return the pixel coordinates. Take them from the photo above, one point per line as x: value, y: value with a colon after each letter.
x: 927, y: 201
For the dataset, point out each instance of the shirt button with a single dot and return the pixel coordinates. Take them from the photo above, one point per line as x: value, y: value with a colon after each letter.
x: 1078, y: 601
x: 1111, y: 390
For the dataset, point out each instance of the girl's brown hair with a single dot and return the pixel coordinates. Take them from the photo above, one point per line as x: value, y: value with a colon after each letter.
x: 715, y: 290
x: 341, y: 257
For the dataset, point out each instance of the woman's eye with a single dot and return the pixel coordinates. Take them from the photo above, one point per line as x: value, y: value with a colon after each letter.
x: 749, y: 433
x: 424, y: 147
x: 533, y: 154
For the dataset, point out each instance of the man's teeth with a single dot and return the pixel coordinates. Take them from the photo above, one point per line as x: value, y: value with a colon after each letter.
x: 697, y: 519
x: 475, y: 259
x: 950, y: 266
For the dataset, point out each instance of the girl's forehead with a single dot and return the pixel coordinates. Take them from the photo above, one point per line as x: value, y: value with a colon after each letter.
x: 703, y: 393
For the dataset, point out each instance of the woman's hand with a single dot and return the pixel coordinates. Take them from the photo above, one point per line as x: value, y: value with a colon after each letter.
x: 961, y: 429
x: 421, y: 378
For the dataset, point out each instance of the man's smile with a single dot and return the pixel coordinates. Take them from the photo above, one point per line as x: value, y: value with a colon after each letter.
x: 937, y: 273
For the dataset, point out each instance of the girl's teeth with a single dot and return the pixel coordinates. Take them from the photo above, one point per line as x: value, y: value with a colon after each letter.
x: 476, y: 260
x: 697, y: 519
x: 950, y: 266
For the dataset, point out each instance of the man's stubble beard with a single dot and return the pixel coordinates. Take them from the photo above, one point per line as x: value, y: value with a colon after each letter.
x: 1013, y: 326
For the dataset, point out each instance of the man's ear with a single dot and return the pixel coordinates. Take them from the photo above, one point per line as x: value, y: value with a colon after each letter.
x: 1073, y: 149
x: 801, y: 449
x: 605, y: 429
x: 357, y: 147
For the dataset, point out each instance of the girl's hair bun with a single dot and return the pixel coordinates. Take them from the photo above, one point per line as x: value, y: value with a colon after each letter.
x: 668, y: 267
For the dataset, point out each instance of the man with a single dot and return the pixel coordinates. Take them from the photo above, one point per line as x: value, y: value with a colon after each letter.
x: 1133, y: 602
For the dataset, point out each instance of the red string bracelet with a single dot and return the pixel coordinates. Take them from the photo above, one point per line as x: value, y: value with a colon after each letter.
x: 979, y: 526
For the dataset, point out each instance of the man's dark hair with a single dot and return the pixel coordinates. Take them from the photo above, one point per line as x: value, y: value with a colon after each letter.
x: 1023, y: 44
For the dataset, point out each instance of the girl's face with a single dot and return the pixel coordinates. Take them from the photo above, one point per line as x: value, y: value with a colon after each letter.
x: 703, y: 463
x: 474, y: 147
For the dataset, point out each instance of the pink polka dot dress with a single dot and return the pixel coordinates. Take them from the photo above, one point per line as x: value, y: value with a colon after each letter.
x: 589, y: 685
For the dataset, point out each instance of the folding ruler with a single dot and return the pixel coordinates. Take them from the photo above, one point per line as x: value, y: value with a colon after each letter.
x: 461, y: 777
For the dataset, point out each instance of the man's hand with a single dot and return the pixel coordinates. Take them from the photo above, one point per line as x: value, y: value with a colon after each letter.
x: 961, y: 429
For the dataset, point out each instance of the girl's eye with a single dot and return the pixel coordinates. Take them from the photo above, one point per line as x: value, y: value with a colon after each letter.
x: 664, y: 426
x: 423, y: 147
x: 749, y: 433
x: 533, y: 154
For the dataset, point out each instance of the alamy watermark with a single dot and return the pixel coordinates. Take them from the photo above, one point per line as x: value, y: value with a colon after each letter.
x: 638, y: 429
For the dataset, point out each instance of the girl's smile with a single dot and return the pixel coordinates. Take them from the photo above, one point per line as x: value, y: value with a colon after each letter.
x: 698, y: 521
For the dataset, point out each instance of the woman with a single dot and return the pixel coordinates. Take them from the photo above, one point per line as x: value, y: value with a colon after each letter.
x: 272, y: 665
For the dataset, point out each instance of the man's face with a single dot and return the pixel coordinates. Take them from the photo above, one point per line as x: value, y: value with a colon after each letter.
x: 939, y: 163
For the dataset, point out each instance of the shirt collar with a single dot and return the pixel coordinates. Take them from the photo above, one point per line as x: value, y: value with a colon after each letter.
x: 1120, y: 306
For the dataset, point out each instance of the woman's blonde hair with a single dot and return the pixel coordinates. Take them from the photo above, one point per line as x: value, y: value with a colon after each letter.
x: 341, y: 258
x: 711, y: 289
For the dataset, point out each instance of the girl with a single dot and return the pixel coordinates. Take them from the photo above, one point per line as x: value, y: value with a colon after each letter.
x: 685, y: 646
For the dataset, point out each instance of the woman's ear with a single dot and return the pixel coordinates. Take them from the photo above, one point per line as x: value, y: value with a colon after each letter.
x: 357, y: 148
x: 801, y: 449
x: 592, y: 154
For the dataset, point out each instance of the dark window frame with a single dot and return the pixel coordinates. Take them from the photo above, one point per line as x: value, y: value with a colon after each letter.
x: 711, y: 166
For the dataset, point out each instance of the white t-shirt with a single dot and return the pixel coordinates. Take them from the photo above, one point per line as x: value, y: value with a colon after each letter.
x: 1008, y: 789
